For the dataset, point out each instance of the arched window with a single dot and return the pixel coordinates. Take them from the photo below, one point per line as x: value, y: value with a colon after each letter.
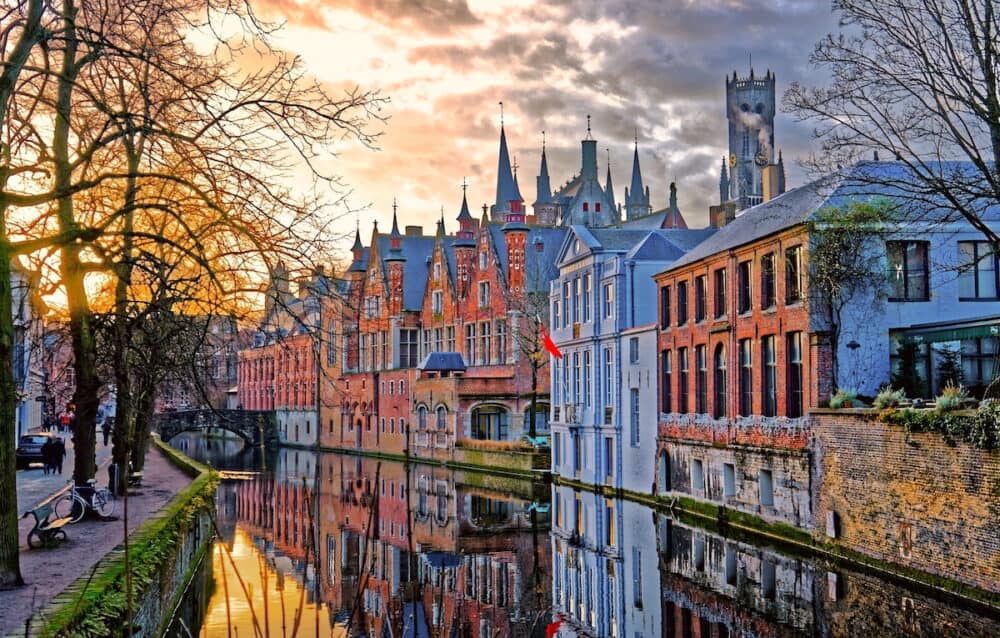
x: 422, y: 417
x: 442, y: 416
x: 720, y: 381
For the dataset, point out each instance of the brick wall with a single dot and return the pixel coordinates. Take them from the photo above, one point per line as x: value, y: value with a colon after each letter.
x: 909, y: 499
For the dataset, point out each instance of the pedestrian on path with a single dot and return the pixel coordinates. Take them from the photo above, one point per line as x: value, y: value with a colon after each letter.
x: 47, y: 455
x: 106, y: 430
x: 59, y: 454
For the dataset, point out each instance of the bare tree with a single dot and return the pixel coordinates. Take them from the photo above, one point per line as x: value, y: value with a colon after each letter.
x: 918, y: 82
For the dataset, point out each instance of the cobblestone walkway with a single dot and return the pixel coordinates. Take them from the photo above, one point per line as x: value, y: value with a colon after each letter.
x: 48, y: 571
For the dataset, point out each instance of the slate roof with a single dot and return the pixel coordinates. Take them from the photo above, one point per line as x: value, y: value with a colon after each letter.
x: 541, y: 265
x: 417, y: 251
x: 860, y: 182
x: 442, y: 362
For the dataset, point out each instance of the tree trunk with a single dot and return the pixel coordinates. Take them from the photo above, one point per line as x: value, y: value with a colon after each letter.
x: 534, y: 399
x: 141, y: 428
x: 10, y: 570
x: 85, y: 395
x: 10, y: 566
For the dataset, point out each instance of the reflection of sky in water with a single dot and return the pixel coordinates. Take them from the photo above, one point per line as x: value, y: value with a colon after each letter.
x: 278, y: 597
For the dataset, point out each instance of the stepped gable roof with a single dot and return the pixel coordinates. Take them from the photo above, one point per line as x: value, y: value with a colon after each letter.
x: 417, y: 251
x: 442, y: 362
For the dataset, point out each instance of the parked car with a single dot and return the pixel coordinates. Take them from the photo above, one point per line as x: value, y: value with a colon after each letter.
x: 29, y: 448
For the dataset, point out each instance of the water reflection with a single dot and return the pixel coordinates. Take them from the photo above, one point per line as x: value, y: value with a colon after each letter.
x: 332, y: 545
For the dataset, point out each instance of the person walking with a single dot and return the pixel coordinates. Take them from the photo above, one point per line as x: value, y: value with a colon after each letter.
x: 106, y: 430
x: 59, y: 455
x: 48, y: 454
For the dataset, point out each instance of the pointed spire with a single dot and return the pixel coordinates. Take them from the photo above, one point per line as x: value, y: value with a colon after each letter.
x: 588, y: 128
x: 440, y: 224
x: 609, y: 188
x: 636, y: 195
x: 464, y: 214
x: 724, y: 191
x: 507, y: 189
x: 543, y: 190
x: 395, y: 224
x: 781, y: 172
x: 486, y: 214
x: 357, y: 238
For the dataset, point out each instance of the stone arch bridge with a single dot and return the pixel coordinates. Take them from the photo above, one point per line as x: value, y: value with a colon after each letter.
x: 257, y: 428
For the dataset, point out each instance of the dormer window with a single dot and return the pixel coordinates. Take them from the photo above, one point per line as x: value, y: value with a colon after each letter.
x: 586, y: 207
x: 597, y: 207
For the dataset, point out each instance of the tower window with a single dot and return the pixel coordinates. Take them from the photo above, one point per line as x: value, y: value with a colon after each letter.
x: 597, y: 207
x: 586, y: 207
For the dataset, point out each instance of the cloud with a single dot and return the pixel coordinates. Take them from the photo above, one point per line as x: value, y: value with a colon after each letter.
x: 659, y: 66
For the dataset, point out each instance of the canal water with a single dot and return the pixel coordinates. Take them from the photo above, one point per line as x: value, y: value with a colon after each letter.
x: 320, y: 544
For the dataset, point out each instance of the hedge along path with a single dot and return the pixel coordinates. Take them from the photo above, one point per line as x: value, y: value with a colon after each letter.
x: 79, y: 588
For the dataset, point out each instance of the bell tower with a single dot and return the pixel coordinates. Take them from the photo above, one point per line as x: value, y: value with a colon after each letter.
x: 750, y: 109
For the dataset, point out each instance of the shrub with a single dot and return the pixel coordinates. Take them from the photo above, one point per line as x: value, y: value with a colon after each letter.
x: 889, y: 398
x: 843, y: 398
x: 952, y: 398
x: 979, y: 428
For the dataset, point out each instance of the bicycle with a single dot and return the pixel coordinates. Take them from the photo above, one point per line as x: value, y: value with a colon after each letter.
x: 74, y: 504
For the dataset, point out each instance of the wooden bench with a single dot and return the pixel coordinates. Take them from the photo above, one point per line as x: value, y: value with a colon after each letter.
x: 45, y: 532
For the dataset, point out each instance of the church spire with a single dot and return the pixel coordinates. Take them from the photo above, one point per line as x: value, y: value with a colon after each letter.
x: 724, y: 195
x: 609, y: 188
x: 543, y: 189
x: 636, y: 196
x: 395, y: 237
x: 507, y: 190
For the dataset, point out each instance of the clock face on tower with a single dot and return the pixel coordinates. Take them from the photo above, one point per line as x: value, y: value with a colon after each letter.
x: 732, y: 160
x: 761, y: 159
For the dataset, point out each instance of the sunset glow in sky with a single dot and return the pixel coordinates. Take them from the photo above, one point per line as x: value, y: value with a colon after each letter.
x: 654, y: 66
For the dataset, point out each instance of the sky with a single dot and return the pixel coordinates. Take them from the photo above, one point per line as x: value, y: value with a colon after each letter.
x: 651, y: 68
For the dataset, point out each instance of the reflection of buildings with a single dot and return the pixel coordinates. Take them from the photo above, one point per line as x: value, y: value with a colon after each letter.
x: 604, y: 579
x: 402, y: 549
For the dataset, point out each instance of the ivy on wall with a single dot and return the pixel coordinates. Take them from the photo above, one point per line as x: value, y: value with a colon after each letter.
x: 979, y: 428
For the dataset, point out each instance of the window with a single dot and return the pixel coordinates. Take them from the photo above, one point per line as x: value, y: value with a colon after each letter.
x: 557, y: 461
x: 576, y: 377
x: 451, y: 339
x: 794, y: 389
x: 636, y: 577
x: 482, y: 260
x: 437, y: 302
x: 609, y: 300
x: 728, y: 480
x: 720, y: 381
x: 767, y: 580
x: 597, y: 207
x: 767, y: 281
x: 555, y: 313
x: 682, y: 381
x: 793, y: 274
x: 437, y: 271
x: 908, y: 270
x: 439, y: 340
x: 427, y: 342
x: 766, y: 483
x: 501, y: 341
x: 609, y: 455
x: 577, y: 464
x: 699, y: 298
x: 484, y: 343
x: 422, y: 417
x: 769, y: 403
x: 731, y: 571
x: 586, y: 207
x: 682, y: 303
x: 633, y: 350
x: 720, y: 293
x: 586, y: 298
x: 576, y: 300
x: 745, y: 277
x: 701, y: 379
x: 609, y: 522
x: 746, y: 377
x: 408, y: 348
x: 609, y: 373
x: 586, y: 378
x: 331, y: 341
x: 980, y: 363
x: 977, y: 276
x: 565, y: 303
x: 484, y: 294
x: 489, y: 423
x: 442, y: 417
x: 634, y: 415
x: 666, y: 391
x: 470, y: 343
x: 697, y: 475
x: 665, y: 307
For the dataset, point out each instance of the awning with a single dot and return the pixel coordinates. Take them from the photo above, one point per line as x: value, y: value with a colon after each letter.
x: 937, y: 333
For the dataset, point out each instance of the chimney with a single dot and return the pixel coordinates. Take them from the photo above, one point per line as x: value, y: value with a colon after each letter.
x: 770, y: 176
x: 414, y: 231
x: 719, y: 216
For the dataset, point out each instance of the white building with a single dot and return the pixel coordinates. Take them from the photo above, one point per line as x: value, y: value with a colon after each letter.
x: 602, y: 318
x: 29, y: 365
